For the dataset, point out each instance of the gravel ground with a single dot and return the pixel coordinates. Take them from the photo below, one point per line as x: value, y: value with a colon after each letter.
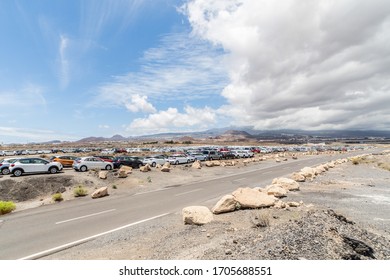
x: 344, y: 216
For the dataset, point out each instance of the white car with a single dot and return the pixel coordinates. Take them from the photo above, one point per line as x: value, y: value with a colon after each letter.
x: 6, y: 153
x: 34, y: 165
x: 178, y: 158
x: 243, y: 153
x: 154, y: 160
x: 84, y: 163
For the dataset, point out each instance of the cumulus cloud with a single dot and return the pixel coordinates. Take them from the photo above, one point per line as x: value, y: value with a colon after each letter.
x: 301, y: 63
x: 172, y: 120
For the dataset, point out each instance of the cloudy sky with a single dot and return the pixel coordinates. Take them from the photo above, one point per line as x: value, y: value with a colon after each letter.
x: 76, y: 68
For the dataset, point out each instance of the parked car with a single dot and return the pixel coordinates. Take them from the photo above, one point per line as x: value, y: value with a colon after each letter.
x: 106, y: 158
x: 4, y: 165
x: 65, y: 160
x: 154, y: 160
x: 212, y: 154
x: 243, y: 153
x: 198, y: 156
x: 134, y: 162
x: 227, y: 155
x: 84, y: 163
x: 178, y: 158
x: 6, y: 153
x: 34, y: 165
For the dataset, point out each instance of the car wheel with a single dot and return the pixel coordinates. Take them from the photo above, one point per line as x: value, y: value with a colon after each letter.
x: 83, y: 168
x: 120, y: 166
x: 5, y: 171
x: 17, y: 172
x: 53, y: 170
x: 154, y: 164
x: 140, y: 165
x: 177, y: 162
x: 108, y: 167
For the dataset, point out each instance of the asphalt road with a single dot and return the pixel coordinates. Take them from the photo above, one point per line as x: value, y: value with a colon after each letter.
x: 34, y: 233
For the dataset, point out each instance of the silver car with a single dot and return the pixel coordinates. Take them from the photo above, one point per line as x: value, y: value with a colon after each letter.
x: 84, y: 163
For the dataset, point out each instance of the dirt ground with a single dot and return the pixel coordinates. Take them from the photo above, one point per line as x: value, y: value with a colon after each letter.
x: 343, y: 215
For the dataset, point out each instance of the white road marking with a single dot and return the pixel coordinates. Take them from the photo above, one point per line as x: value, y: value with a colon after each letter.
x: 196, y: 190
x: 158, y: 190
x: 74, y: 243
x: 86, y: 216
x: 241, y: 179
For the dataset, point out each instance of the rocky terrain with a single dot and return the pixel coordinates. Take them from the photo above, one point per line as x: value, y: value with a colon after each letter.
x: 339, y: 213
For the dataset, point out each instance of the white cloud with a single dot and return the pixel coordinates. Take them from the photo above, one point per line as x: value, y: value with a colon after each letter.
x: 104, y: 126
x: 64, y: 63
x: 180, y: 68
x: 301, y: 63
x: 172, y: 120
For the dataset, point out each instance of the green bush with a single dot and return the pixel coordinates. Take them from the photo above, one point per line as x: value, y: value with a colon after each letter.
x: 80, y: 191
x: 6, y: 207
x: 57, y: 197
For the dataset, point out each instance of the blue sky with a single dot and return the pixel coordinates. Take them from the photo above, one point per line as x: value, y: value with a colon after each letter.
x: 72, y: 69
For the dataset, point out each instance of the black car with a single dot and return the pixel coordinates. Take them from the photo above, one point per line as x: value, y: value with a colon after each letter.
x: 227, y: 155
x: 134, y: 162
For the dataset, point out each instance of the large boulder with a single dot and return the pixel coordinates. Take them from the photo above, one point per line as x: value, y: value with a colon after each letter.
x: 197, y: 215
x: 226, y: 204
x: 126, y: 169
x: 197, y: 164
x: 308, y: 172
x: 250, y: 198
x: 288, y: 184
x: 145, y: 168
x: 165, y: 168
x: 103, y: 174
x: 122, y: 173
x: 298, y: 177
x: 100, y: 192
x: 276, y: 190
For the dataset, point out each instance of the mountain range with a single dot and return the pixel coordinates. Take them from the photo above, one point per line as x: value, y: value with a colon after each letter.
x: 248, y: 133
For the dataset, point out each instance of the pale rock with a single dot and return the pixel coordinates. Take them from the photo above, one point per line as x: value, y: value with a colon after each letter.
x: 145, y: 168
x: 280, y: 204
x: 197, y: 164
x: 216, y: 163
x: 122, y: 174
x: 165, y: 168
x: 197, y: 215
x: 223, y: 164
x: 250, y: 198
x: 308, y: 172
x: 209, y: 163
x: 126, y: 169
x: 167, y: 164
x: 298, y: 177
x: 288, y: 184
x: 276, y: 190
x: 103, y: 174
x: 226, y: 204
x: 158, y: 166
x: 100, y: 192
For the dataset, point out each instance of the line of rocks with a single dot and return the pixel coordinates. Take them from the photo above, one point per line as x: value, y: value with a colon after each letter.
x: 256, y: 198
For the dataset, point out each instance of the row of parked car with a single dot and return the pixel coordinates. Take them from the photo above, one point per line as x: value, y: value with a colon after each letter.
x: 21, y: 165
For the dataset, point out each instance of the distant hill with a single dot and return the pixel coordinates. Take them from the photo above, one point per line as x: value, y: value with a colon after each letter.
x: 247, y: 133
